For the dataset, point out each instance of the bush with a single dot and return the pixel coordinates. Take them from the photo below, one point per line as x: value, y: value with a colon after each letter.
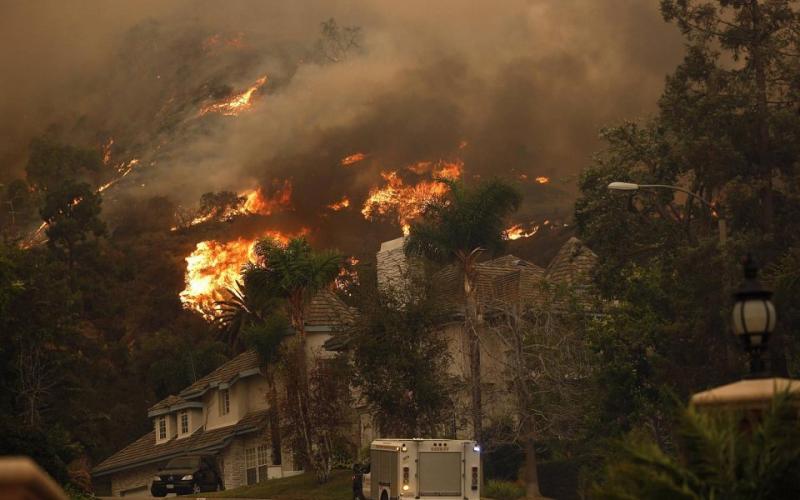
x: 503, y: 490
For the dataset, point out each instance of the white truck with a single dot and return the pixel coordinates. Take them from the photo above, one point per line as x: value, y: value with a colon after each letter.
x: 440, y: 469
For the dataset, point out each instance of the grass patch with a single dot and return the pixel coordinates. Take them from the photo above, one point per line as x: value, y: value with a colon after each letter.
x: 503, y: 490
x: 302, y: 487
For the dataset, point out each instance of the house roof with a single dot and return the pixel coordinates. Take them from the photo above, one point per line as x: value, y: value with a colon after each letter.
x: 507, y: 278
x: 328, y: 310
x: 572, y: 264
x: 243, y: 365
x: 145, y: 450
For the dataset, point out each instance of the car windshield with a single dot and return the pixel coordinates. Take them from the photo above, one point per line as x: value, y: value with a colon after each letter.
x: 183, y: 463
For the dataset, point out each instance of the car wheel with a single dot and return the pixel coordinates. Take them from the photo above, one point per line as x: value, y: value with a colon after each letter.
x: 196, y: 488
x: 158, y: 493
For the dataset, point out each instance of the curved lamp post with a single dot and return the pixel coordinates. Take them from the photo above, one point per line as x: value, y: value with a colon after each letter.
x: 630, y: 186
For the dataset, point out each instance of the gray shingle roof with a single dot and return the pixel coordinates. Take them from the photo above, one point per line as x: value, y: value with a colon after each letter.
x: 145, y: 450
x: 245, y: 364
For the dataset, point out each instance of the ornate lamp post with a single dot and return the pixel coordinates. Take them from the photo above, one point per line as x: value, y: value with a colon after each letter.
x: 753, y: 317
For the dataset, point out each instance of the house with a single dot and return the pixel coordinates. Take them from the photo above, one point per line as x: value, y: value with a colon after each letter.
x: 502, y: 282
x: 223, y: 414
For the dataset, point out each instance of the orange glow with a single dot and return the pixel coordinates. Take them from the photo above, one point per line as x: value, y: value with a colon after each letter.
x: 123, y: 169
x: 408, y: 201
x: 257, y: 203
x: 237, y: 103
x: 542, y: 179
x: 214, y: 267
x: 107, y: 151
x: 352, y: 159
x: 517, y: 231
x: 340, y: 205
x: 463, y: 144
x: 217, y: 41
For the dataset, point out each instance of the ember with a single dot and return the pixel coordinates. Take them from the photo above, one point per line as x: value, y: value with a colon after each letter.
x: 237, y: 103
x: 353, y: 158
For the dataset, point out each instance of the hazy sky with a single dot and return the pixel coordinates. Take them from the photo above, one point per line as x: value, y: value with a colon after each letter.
x: 526, y: 83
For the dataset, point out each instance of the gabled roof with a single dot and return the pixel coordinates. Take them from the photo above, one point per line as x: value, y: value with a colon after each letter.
x: 327, y: 311
x: 243, y: 365
x: 507, y: 278
x: 572, y: 264
x: 145, y: 450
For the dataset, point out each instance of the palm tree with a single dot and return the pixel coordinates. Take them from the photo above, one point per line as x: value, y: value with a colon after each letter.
x: 295, y: 273
x: 253, y: 320
x: 458, y: 228
x: 727, y: 455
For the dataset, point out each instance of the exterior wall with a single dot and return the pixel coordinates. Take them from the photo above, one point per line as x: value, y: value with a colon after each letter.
x: 133, y: 479
x: 314, y: 346
x: 256, y: 397
x: 392, y: 266
x: 232, y: 466
x: 211, y: 407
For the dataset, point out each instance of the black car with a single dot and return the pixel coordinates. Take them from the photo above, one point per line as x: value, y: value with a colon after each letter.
x: 187, y: 474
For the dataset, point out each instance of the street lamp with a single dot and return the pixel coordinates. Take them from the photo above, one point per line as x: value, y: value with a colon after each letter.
x: 753, y: 316
x: 630, y: 186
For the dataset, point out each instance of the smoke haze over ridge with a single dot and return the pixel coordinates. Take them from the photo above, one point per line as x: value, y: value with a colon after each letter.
x: 526, y: 83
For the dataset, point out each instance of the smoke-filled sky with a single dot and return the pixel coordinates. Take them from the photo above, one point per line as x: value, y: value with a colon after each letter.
x: 527, y: 84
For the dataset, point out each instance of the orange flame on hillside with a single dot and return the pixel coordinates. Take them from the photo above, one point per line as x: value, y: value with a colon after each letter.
x: 517, y: 231
x: 214, y: 267
x: 340, y: 205
x: 542, y: 179
x: 237, y: 103
x: 257, y: 203
x: 408, y: 201
x: 351, y: 159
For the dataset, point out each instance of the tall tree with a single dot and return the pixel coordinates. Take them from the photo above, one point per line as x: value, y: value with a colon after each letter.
x: 400, y: 360
x: 459, y: 228
x: 295, y: 272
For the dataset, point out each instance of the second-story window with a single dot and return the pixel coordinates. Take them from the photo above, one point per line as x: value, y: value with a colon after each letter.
x: 162, y: 427
x: 224, y: 402
x: 184, y: 422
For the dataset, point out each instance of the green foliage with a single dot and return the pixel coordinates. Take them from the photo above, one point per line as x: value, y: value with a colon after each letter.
x: 467, y: 218
x: 294, y: 271
x: 719, y: 455
x: 72, y: 213
x: 50, y: 163
x: 267, y: 336
x: 400, y: 361
x: 503, y: 490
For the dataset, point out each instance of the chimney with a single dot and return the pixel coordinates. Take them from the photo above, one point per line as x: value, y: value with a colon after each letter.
x: 392, y: 266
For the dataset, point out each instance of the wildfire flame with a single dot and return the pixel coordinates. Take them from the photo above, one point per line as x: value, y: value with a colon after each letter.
x: 542, y: 179
x: 340, y: 205
x: 351, y: 159
x: 237, y: 103
x: 257, y: 203
x: 517, y: 231
x: 214, y: 267
x: 408, y: 201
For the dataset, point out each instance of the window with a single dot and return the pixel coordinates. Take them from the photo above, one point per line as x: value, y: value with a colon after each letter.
x: 184, y: 422
x: 224, y: 402
x: 162, y: 427
x: 255, y: 460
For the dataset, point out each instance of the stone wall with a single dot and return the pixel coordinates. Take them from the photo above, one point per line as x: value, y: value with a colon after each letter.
x: 133, y: 479
x: 232, y: 464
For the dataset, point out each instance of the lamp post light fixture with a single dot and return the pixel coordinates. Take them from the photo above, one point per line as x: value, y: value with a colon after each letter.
x: 630, y: 186
x: 753, y: 317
